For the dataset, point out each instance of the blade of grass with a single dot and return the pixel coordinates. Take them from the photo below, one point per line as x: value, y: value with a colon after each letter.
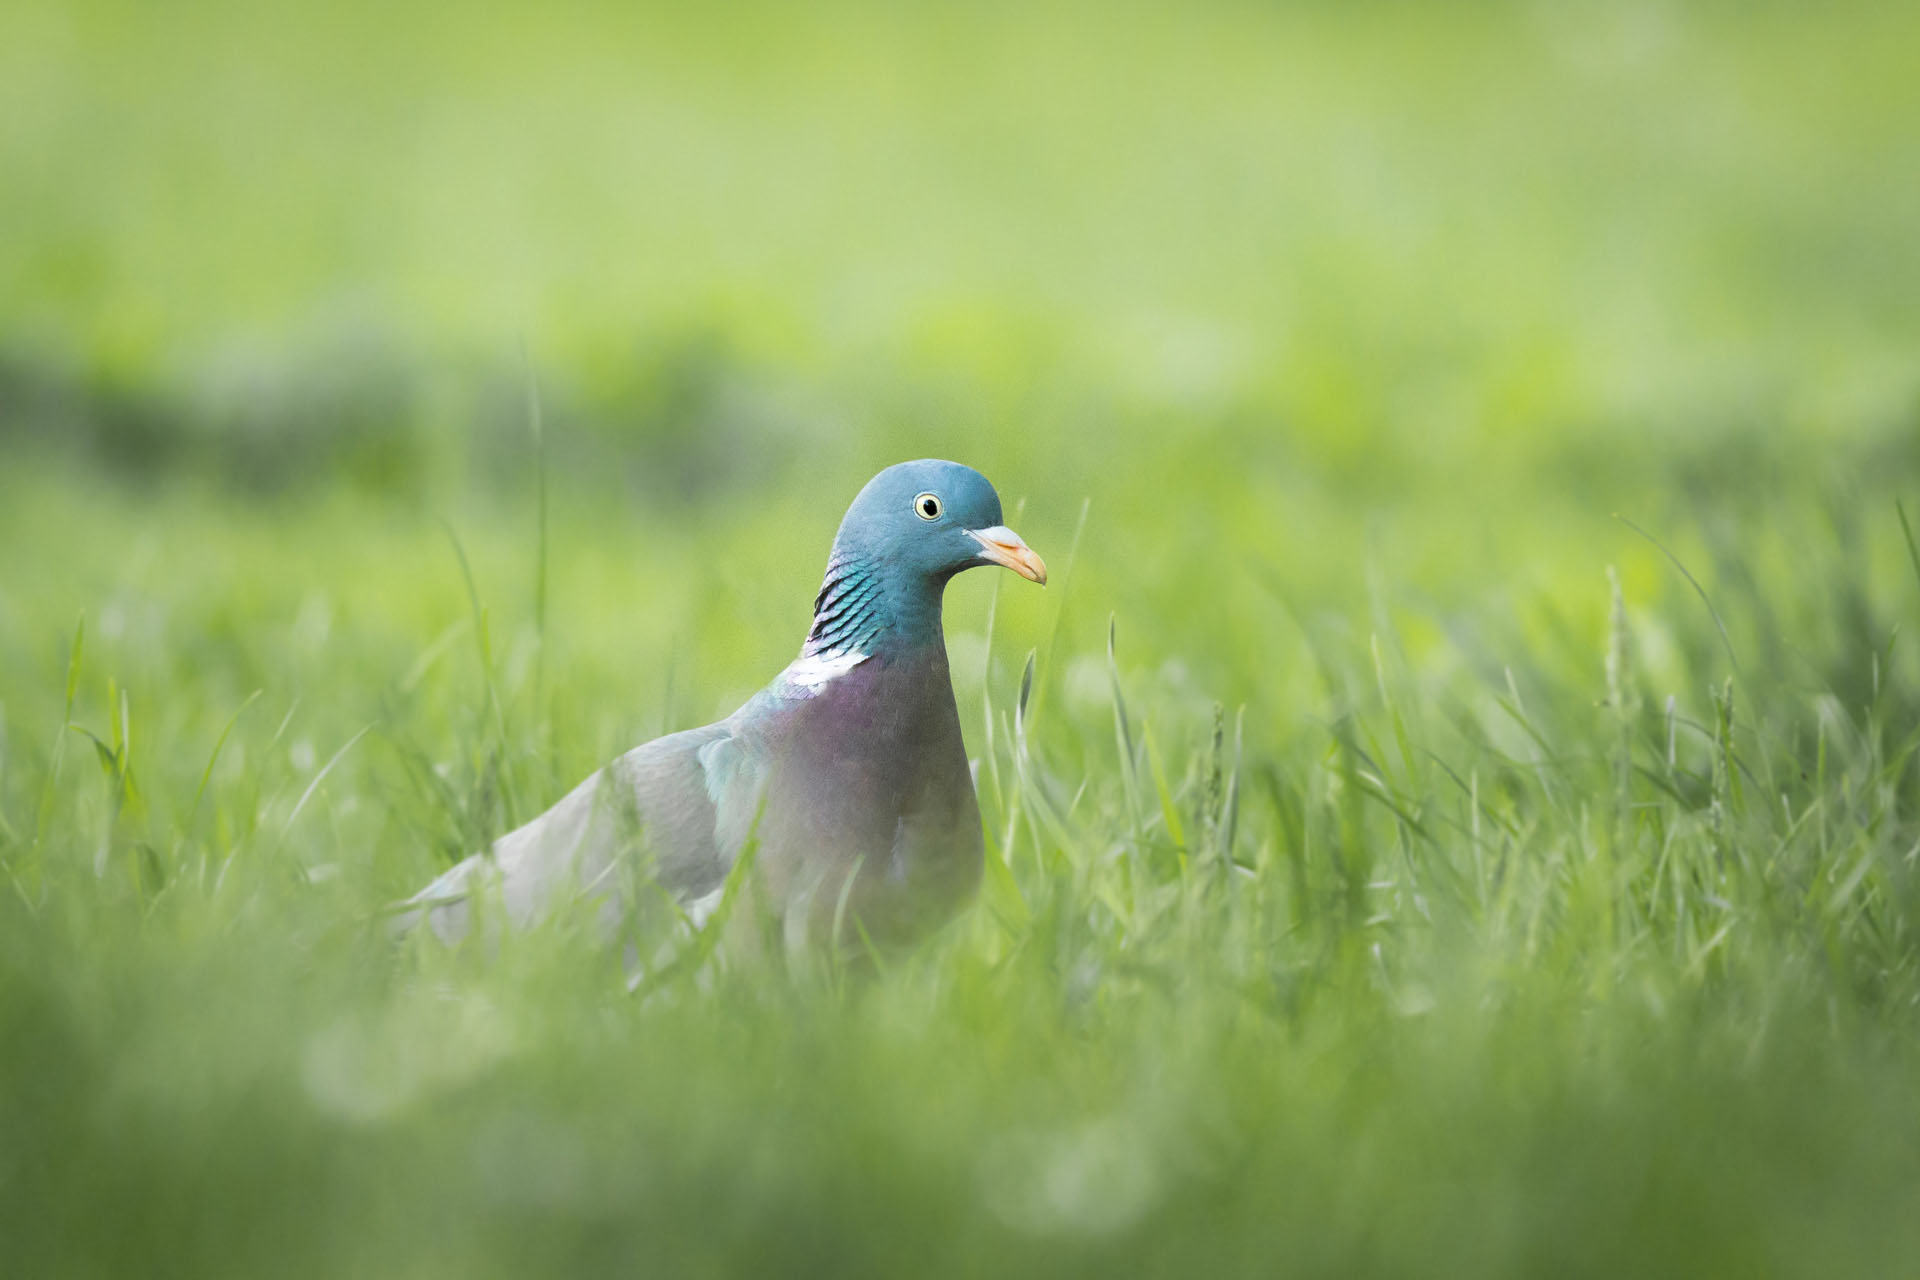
x: 1693, y: 582
x: 1913, y: 548
x: 220, y: 743
x: 321, y: 777
x: 496, y: 716
x: 43, y: 814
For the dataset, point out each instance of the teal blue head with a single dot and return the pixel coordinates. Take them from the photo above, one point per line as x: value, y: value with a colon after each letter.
x: 911, y: 529
x: 929, y: 520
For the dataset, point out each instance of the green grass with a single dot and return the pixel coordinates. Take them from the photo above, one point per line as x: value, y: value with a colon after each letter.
x: 1462, y: 817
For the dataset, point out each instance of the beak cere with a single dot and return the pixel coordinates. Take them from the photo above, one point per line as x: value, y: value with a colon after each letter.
x: 1002, y: 546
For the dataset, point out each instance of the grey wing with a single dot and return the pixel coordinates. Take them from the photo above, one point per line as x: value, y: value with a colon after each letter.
x: 666, y: 810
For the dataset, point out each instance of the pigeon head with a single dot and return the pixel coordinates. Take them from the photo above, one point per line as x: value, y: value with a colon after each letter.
x: 911, y: 529
x: 932, y: 519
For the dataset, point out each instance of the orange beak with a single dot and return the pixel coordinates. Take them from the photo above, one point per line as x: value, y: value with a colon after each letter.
x: 1002, y: 546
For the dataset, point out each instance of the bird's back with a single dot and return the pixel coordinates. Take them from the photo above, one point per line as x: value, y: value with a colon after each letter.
x: 652, y: 810
x: 855, y: 793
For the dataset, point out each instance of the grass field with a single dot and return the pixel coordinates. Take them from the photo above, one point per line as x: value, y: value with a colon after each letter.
x: 1463, y: 816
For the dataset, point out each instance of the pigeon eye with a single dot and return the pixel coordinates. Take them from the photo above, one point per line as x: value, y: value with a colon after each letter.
x: 927, y: 506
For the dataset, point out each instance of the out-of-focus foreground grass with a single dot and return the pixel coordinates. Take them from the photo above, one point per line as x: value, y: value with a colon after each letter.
x: 1400, y: 895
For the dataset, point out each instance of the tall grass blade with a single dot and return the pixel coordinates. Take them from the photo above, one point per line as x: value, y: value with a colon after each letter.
x: 1913, y: 548
x: 43, y: 812
x: 320, y: 777
x: 1698, y: 590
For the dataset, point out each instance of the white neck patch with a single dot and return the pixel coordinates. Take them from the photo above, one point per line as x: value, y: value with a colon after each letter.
x: 811, y: 672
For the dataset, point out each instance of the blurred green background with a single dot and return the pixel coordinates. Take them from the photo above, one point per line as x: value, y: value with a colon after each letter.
x: 405, y: 408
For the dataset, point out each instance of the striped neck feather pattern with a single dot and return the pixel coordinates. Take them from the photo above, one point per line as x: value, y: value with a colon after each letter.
x: 847, y: 614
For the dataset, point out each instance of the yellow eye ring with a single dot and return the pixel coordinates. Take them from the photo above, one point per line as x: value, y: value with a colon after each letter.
x: 927, y: 506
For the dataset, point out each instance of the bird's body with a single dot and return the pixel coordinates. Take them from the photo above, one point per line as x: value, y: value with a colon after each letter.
x: 847, y: 773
